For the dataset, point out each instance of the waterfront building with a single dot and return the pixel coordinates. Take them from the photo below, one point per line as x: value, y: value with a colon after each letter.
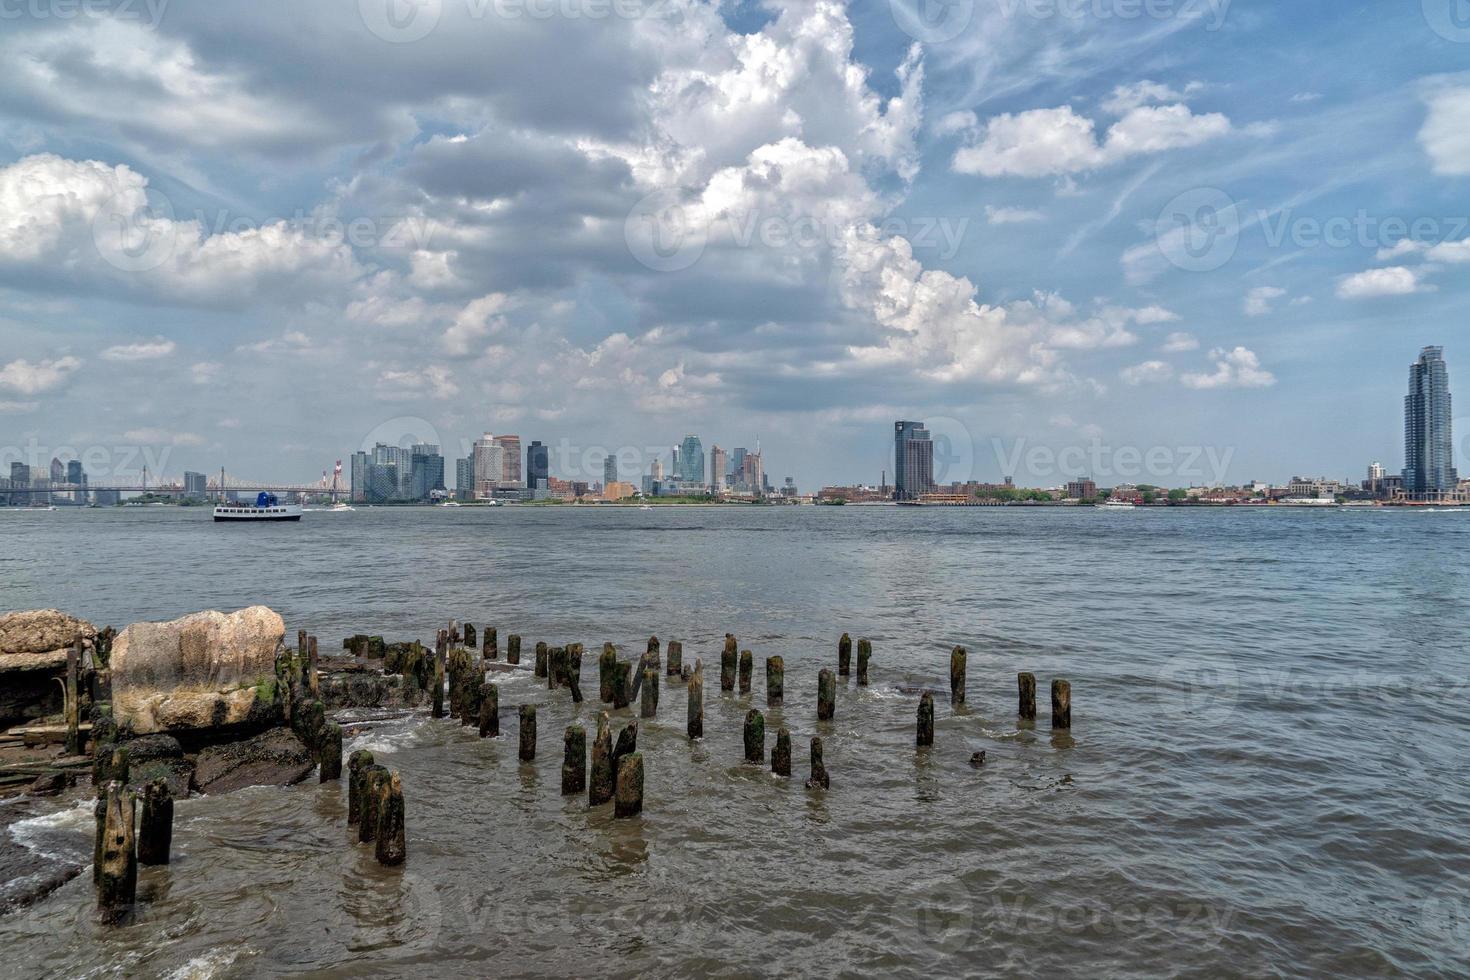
x: 1429, y: 462
x: 1081, y: 489
x: 737, y: 465
x: 510, y: 475
x: 617, y: 490
x: 753, y: 475
x: 195, y: 485
x: 20, y: 475
x: 717, y: 469
x: 489, y: 466
x: 609, y: 470
x: 426, y: 471
x: 358, y: 473
x: 913, y: 452
x: 690, y: 467
x: 538, y: 466
x: 464, y: 478
x: 656, y: 471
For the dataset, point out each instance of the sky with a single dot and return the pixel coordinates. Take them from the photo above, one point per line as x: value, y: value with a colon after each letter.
x: 1168, y: 241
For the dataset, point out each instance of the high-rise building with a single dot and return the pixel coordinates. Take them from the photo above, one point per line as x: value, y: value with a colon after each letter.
x: 427, y: 471
x: 913, y: 455
x: 609, y: 470
x: 1429, y: 461
x: 691, y: 460
x: 20, y: 475
x: 657, y: 470
x: 510, y: 475
x: 1376, y: 471
x: 464, y: 478
x: 538, y: 466
x: 195, y: 485
x: 489, y: 463
x: 58, y: 471
x: 675, y: 469
x: 737, y: 463
x: 753, y: 476
x: 74, y: 474
x: 717, y: 468
x: 359, y: 474
x: 401, y: 461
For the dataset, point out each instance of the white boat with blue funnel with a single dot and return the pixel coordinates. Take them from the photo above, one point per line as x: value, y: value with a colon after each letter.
x: 265, y: 508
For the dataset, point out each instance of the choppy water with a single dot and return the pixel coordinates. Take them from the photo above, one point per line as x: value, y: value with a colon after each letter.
x: 1267, y: 772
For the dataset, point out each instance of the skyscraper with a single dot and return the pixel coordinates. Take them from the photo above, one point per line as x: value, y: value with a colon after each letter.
x: 913, y: 458
x: 1429, y: 460
x: 538, y: 466
x: 427, y: 471
x: 195, y: 484
x: 691, y: 460
x: 717, y: 464
x: 489, y: 464
x: 609, y: 470
x: 464, y: 478
x: 510, y: 475
x: 360, y: 462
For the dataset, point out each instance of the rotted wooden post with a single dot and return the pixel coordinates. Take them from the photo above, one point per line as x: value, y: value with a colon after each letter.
x: 629, y: 799
x: 155, y: 836
x: 541, y: 658
x: 728, y: 657
x: 313, y: 679
x: 528, y: 733
x: 676, y: 658
x: 491, y: 647
x: 650, y: 693
x: 438, y: 693
x: 819, y: 778
x: 826, y: 695
x: 781, y: 753
x: 606, y: 668
x: 1026, y: 692
x: 600, y: 788
x: 957, y: 659
x: 925, y: 735
x: 469, y: 636
x: 864, y: 654
x: 513, y: 649
x: 747, y: 667
x: 490, y: 712
x: 73, y: 701
x: 775, y: 681
x: 574, y: 760
x: 627, y: 743
x: 755, y: 736
x: 696, y: 701
x: 331, y: 752
x: 391, y: 845
x: 117, y: 878
x: 622, y: 693
x: 357, y: 767
x: 372, y: 777
x: 653, y: 653
x: 1061, y: 704
x: 844, y: 655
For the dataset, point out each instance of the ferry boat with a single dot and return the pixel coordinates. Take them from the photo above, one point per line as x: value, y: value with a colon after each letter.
x: 265, y: 508
x: 1116, y: 505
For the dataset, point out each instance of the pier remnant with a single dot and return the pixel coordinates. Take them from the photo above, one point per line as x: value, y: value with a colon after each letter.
x: 469, y: 636
x: 606, y: 666
x: 117, y: 877
x: 1026, y: 692
x: 490, y: 712
x: 391, y: 846
x: 357, y: 767
x: 926, y: 720
x: 329, y: 754
x: 775, y: 681
x: 1061, y: 704
x: 653, y: 654
x: 826, y: 695
x: 574, y: 760
x: 747, y: 667
x: 696, y: 701
x: 72, y: 701
x: 541, y: 659
x: 372, y: 777
x: 755, y: 736
x: 626, y: 745
x: 600, y: 789
x: 957, y: 659
x: 819, y: 778
x: 490, y: 649
x: 977, y: 760
x: 441, y: 650
x: 513, y: 649
x: 528, y: 732
x: 155, y: 836
x: 622, y: 694
x: 865, y: 654
x: 629, y: 799
x: 728, y: 657
x: 313, y: 678
x: 676, y: 658
x: 781, y: 753
x: 844, y: 655
x: 650, y: 693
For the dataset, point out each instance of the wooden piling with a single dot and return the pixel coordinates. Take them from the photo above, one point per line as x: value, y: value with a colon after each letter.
x: 330, y: 752
x: 819, y: 778
x: 541, y: 658
x: 156, y: 832
x: 650, y: 693
x: 957, y: 659
x: 781, y: 753
x: 528, y: 732
x: 469, y: 636
x: 626, y: 745
x: 117, y: 878
x: 1026, y: 691
x: 755, y: 736
x: 775, y: 681
x: 513, y: 649
x: 438, y: 692
x: 695, y: 720
x: 313, y: 679
x: 574, y: 760
x: 654, y: 654
x: 864, y: 654
x: 676, y: 658
x: 622, y: 694
x: 490, y: 712
x: 357, y: 767
x: 372, y: 778
x: 747, y: 667
x: 391, y: 846
x: 629, y: 799
x: 1061, y: 704
x: 728, y: 657
x: 844, y: 655
x: 73, y: 701
x: 826, y: 695
x: 491, y: 646
x: 925, y: 735
x: 606, y: 668
x: 601, y: 787
x: 555, y: 666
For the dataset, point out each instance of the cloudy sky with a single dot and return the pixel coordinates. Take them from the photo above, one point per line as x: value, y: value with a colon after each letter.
x: 1173, y: 239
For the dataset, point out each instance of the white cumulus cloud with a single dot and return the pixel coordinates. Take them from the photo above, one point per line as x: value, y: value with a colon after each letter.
x: 1238, y: 368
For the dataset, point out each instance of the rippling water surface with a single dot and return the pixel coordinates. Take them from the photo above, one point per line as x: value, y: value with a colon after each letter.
x: 1266, y: 774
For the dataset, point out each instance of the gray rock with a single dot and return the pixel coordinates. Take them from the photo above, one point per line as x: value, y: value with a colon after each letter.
x: 42, y: 631
x: 273, y: 758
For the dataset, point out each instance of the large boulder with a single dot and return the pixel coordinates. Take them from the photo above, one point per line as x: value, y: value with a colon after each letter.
x: 159, y: 756
x: 204, y: 671
x: 273, y: 758
x: 42, y: 631
x: 33, y: 646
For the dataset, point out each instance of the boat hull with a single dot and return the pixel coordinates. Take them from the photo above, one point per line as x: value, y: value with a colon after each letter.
x: 229, y: 514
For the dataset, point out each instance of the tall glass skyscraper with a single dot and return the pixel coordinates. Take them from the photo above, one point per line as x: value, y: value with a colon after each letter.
x: 1429, y: 449
x: 913, y: 460
x: 538, y: 466
x: 690, y: 465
